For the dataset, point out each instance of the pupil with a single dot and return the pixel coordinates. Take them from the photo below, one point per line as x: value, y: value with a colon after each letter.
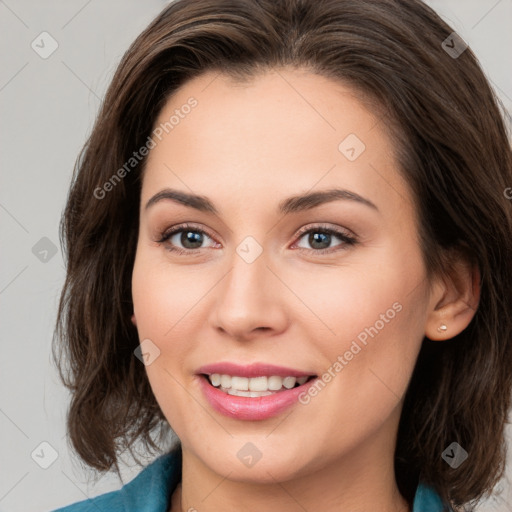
x: 322, y: 238
x: 193, y: 238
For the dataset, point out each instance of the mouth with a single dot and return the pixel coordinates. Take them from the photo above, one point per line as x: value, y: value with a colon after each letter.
x: 254, y: 392
x: 254, y: 387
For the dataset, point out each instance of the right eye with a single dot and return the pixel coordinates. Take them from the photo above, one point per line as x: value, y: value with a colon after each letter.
x: 190, y: 237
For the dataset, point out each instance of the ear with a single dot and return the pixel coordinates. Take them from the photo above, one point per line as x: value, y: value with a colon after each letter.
x: 134, y: 320
x: 454, y: 300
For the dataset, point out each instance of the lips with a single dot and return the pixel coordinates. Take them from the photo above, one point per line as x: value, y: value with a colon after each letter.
x: 252, y: 370
x: 252, y: 392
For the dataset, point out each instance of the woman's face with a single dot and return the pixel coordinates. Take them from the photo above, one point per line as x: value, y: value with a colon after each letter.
x: 273, y: 288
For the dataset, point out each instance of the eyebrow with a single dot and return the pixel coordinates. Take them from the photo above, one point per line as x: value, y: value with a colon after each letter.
x: 290, y: 205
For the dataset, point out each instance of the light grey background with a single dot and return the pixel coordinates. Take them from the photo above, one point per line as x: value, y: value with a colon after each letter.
x: 47, y: 110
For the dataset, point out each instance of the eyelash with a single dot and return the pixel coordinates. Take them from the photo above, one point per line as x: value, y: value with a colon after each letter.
x: 342, y: 235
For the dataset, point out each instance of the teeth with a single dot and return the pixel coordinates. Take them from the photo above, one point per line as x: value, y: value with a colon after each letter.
x: 289, y: 382
x: 275, y: 383
x: 258, y: 384
x: 254, y: 386
x: 251, y: 394
x: 225, y: 381
x: 240, y: 383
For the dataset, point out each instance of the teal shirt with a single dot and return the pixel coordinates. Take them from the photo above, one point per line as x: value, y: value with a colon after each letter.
x: 151, y: 489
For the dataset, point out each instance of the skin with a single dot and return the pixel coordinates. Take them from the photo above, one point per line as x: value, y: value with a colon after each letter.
x: 248, y: 146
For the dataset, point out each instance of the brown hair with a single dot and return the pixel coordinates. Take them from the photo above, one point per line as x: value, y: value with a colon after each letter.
x: 453, y: 151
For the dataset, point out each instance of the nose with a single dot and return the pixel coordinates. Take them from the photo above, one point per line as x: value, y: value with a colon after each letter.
x: 250, y: 301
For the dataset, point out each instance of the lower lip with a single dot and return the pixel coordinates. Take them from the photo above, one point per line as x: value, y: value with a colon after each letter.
x: 251, y: 409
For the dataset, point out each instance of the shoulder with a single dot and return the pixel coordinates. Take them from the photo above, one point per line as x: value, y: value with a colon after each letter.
x: 149, y: 491
x: 426, y: 499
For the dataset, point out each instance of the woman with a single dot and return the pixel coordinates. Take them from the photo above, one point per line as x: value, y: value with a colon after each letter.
x: 288, y: 240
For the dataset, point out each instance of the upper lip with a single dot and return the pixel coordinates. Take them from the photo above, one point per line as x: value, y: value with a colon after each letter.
x: 252, y: 370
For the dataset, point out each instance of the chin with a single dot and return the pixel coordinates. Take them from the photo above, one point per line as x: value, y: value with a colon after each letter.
x: 257, y: 461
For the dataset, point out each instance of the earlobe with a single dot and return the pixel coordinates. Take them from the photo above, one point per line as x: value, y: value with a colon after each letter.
x: 454, y: 303
x: 442, y: 328
x: 134, y: 320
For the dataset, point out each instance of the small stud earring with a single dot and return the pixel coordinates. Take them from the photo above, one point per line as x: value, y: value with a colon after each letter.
x: 442, y: 328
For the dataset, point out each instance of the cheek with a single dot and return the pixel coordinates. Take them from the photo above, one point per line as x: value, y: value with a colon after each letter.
x: 163, y: 295
x: 375, y: 369
x: 164, y: 298
x: 374, y: 326
x: 360, y: 302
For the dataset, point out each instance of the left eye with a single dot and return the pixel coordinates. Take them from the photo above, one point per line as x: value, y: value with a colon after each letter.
x: 321, y: 238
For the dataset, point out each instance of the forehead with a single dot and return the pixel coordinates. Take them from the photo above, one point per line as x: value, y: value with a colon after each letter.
x: 279, y: 130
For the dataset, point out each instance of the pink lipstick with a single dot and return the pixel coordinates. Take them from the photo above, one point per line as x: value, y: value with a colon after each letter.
x: 252, y: 392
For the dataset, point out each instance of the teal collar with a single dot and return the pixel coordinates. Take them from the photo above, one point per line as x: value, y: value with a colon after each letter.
x: 426, y: 499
